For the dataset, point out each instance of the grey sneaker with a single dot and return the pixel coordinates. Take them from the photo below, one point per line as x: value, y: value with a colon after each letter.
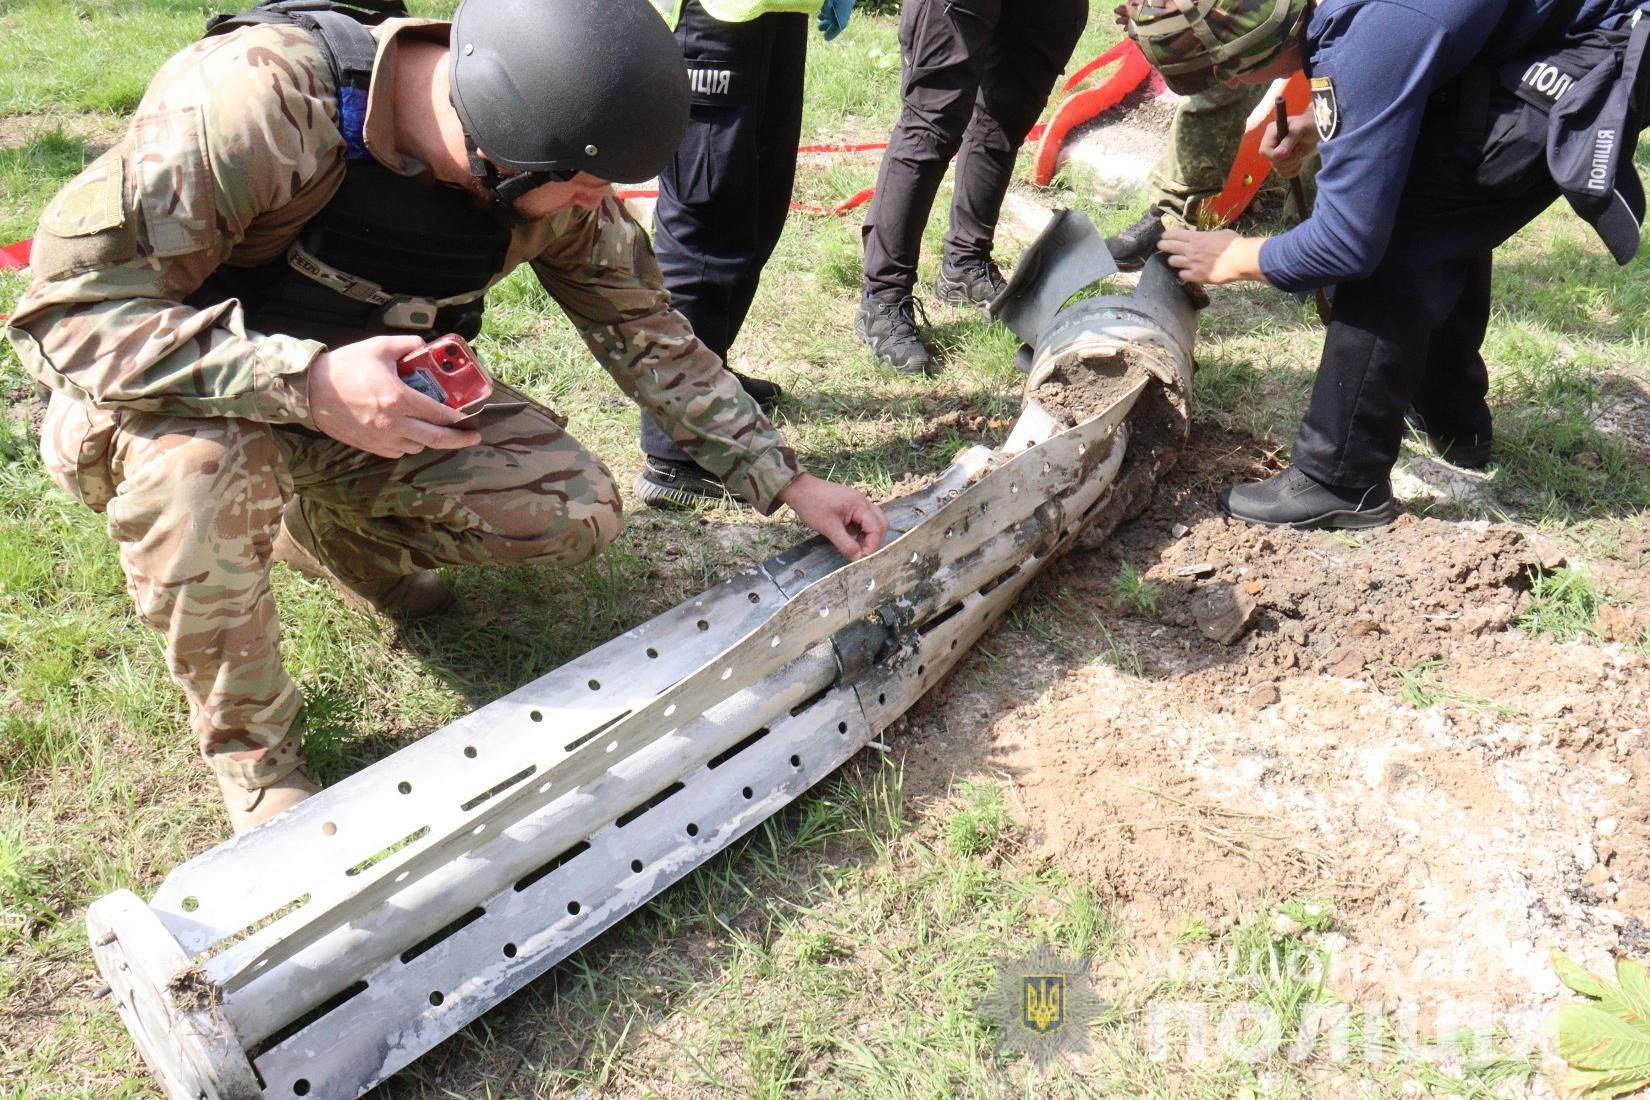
x: 888, y: 326
x: 664, y: 483
x: 1135, y: 245
x: 1294, y: 498
x: 971, y: 283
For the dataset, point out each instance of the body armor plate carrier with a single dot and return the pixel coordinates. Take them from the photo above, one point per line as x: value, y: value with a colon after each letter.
x: 388, y: 253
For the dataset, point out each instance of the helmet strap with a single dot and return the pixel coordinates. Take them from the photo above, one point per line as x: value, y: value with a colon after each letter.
x: 502, y: 191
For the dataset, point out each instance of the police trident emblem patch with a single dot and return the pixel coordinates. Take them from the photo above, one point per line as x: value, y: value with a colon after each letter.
x: 1326, y: 109
x: 1042, y: 1005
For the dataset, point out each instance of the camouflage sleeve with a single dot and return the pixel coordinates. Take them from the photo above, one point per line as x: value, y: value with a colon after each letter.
x: 599, y: 267
x: 230, y: 130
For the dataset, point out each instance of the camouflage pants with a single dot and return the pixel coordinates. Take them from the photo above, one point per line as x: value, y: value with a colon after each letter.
x: 195, y: 505
x: 1203, y: 142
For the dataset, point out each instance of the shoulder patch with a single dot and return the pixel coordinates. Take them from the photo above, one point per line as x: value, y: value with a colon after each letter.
x: 1326, y: 109
x: 91, y: 202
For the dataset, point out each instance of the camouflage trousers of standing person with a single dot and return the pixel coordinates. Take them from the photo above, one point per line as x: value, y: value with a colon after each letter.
x: 1203, y: 143
x: 195, y: 505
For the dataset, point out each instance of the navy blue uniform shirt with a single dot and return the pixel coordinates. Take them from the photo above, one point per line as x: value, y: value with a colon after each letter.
x: 1386, y: 58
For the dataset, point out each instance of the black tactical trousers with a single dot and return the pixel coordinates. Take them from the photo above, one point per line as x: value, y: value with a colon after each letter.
x: 976, y: 74
x: 724, y: 195
x: 1409, y: 334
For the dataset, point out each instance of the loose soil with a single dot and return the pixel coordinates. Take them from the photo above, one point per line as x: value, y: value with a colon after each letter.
x: 1460, y: 842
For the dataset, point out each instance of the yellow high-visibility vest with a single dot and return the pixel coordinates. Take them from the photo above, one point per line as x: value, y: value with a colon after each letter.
x: 734, y: 11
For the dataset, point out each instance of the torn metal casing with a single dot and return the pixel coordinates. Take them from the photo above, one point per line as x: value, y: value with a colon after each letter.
x: 343, y: 939
x: 1066, y: 257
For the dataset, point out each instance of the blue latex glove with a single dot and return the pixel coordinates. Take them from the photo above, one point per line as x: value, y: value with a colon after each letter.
x: 833, y: 16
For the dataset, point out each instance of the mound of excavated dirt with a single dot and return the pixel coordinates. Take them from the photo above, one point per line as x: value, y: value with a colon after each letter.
x: 1381, y: 734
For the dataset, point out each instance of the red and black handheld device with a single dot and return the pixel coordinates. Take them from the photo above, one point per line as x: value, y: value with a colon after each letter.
x: 446, y: 370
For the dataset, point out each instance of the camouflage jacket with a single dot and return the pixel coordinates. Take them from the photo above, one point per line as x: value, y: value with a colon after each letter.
x: 234, y: 147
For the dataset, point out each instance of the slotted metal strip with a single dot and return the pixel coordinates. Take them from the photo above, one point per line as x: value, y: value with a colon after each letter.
x: 958, y: 528
x: 222, y: 891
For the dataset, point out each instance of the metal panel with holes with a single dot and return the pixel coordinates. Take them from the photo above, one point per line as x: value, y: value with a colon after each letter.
x: 325, y: 950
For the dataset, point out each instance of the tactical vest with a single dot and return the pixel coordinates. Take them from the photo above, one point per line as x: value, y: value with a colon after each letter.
x: 388, y: 254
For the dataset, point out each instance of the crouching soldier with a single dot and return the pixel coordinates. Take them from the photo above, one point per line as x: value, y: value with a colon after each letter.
x: 219, y: 302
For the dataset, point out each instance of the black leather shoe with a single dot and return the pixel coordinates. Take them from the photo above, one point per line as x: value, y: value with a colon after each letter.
x: 764, y: 393
x: 1135, y: 245
x: 1296, y: 499
x: 971, y: 283
x: 887, y: 324
x: 667, y: 484
x: 1470, y: 452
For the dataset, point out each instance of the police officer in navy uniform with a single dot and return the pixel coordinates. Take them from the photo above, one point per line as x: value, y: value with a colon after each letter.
x: 976, y: 74
x: 1445, y: 127
x: 723, y: 198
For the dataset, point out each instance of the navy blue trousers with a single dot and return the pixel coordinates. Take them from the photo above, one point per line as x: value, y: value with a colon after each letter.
x: 724, y: 195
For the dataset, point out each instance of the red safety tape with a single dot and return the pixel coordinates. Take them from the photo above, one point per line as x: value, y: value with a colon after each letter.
x: 1132, y: 70
x: 16, y: 254
x: 1250, y: 169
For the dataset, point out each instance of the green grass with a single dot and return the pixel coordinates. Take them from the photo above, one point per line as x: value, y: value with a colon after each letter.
x: 1135, y: 594
x: 1564, y: 604
x: 845, y: 944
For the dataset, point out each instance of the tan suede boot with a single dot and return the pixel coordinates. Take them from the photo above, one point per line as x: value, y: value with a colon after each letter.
x: 409, y: 596
x: 251, y: 808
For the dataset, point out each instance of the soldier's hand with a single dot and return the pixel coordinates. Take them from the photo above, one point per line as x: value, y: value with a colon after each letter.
x: 1287, y: 156
x: 356, y: 397
x: 845, y: 516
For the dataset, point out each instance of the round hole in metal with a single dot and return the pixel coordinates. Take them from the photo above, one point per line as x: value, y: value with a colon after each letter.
x: 573, y: 907
x: 636, y: 866
x: 470, y: 751
x: 747, y: 792
x: 509, y: 950
x: 191, y: 903
x: 404, y: 787
x: 652, y: 654
x: 595, y: 685
x: 796, y: 761
x: 702, y: 624
x: 692, y: 829
x: 436, y: 998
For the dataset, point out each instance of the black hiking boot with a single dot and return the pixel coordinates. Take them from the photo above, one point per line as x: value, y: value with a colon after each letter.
x: 664, y: 483
x: 1135, y: 245
x: 1470, y: 452
x: 764, y: 393
x: 887, y: 324
x: 970, y: 283
x: 1296, y: 499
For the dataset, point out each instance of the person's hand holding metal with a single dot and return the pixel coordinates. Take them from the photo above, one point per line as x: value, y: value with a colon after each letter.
x: 1213, y: 258
x: 845, y: 516
x: 1287, y: 154
x: 356, y: 397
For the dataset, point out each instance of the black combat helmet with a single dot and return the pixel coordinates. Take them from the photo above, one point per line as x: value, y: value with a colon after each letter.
x: 550, y: 88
